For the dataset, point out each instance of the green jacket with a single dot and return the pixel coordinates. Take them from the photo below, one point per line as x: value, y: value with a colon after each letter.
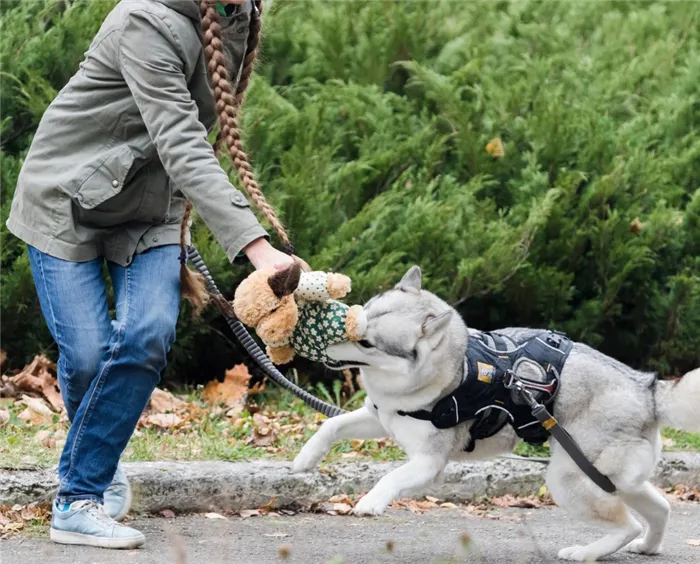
x: 127, y: 137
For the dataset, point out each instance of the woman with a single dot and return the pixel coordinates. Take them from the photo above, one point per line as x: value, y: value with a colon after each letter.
x: 115, y: 159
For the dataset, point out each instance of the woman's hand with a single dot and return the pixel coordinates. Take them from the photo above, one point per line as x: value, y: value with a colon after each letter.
x: 263, y: 255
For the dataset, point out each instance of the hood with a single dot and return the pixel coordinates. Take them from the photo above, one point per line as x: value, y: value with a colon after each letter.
x: 189, y: 8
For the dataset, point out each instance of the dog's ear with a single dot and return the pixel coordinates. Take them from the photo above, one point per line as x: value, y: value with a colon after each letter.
x: 411, y: 281
x: 284, y: 282
x: 436, y: 323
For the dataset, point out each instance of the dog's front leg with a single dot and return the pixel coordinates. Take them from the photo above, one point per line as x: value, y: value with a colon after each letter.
x: 358, y: 424
x: 417, y: 472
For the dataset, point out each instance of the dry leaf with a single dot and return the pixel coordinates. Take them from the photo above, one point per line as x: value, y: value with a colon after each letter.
x: 284, y: 551
x: 167, y: 513
x: 636, y: 226
x: 693, y: 542
x: 215, y: 516
x: 37, y: 378
x: 495, y: 148
x: 431, y: 499
x: 4, y: 416
x: 234, y: 388
x: 163, y: 420
x: 448, y: 505
x: 276, y: 535
x: 342, y: 508
x: 249, y: 513
x: 341, y: 499
x: 37, y: 412
x: 163, y: 401
x: 3, y: 359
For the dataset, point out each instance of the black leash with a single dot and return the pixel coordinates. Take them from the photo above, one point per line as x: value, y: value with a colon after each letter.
x: 567, y: 442
x: 251, y: 346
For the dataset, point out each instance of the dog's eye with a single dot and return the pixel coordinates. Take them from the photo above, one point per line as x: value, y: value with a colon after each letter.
x: 365, y: 344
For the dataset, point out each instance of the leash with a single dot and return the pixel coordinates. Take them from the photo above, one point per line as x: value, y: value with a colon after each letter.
x: 251, y: 347
x: 548, y: 421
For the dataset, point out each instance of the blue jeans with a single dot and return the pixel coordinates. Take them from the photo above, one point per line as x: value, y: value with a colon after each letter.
x: 107, y: 368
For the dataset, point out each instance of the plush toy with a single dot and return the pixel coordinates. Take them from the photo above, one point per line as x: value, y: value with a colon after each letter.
x: 298, y: 312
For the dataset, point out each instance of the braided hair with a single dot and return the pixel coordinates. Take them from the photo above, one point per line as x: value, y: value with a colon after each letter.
x: 228, y: 103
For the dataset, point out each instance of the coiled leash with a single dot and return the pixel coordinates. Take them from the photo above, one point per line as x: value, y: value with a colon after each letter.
x: 252, y: 348
x: 547, y: 420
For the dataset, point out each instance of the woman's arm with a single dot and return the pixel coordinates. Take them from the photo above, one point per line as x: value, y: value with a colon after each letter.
x: 154, y: 72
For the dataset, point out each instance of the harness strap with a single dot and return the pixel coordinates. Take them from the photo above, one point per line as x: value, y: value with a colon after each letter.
x: 573, y: 450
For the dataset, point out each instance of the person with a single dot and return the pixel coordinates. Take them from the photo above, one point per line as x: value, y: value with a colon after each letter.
x: 116, y: 159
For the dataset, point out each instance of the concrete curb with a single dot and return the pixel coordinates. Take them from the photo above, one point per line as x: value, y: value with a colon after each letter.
x: 231, y: 486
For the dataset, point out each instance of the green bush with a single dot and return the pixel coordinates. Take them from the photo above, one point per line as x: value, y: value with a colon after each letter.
x: 368, y: 123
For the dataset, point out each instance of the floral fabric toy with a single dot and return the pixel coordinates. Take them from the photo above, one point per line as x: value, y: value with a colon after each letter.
x: 298, y: 312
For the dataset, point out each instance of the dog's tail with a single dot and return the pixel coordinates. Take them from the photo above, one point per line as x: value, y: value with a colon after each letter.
x: 678, y: 402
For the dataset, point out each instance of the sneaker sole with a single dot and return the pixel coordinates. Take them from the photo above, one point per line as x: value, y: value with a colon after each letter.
x: 66, y: 537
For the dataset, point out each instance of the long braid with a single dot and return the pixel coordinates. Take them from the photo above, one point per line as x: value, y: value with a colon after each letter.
x: 227, y: 106
x: 192, y: 284
x: 228, y: 103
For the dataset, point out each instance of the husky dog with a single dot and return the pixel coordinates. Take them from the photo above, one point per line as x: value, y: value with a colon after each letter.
x: 412, y: 355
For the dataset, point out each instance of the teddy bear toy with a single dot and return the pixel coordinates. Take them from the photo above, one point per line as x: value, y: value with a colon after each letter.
x: 298, y: 312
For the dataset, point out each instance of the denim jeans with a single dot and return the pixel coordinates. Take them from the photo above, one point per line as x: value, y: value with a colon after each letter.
x: 107, y: 368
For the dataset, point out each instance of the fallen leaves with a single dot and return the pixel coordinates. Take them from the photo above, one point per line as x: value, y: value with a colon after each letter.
x: 162, y: 420
x: 163, y: 401
x: 4, y: 416
x: 14, y: 519
x: 166, y: 411
x: 682, y: 493
x: 233, y: 390
x: 36, y: 380
x: 264, y: 431
x: 36, y: 412
x: 215, y: 516
x: 693, y: 542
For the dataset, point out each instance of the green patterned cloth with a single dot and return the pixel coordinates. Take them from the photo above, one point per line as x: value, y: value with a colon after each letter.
x: 320, y: 325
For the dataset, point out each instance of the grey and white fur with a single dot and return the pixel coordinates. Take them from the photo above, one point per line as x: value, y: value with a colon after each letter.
x: 412, y: 355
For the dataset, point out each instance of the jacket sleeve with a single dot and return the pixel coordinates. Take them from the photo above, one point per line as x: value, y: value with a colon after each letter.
x: 154, y: 72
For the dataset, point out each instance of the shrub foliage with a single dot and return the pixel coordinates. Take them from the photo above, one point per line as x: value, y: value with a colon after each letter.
x: 368, y: 123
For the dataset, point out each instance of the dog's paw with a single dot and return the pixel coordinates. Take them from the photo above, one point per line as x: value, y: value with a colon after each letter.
x: 305, y: 461
x: 575, y: 553
x: 640, y: 546
x: 368, y: 506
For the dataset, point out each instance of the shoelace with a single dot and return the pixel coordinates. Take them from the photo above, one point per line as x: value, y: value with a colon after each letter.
x: 94, y: 509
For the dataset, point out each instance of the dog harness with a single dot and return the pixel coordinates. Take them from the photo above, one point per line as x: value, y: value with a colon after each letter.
x: 512, y: 383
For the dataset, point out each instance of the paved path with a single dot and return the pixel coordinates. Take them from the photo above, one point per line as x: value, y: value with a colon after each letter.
x: 519, y: 536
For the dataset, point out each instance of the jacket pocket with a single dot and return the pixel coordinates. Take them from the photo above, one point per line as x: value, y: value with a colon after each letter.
x: 106, y: 180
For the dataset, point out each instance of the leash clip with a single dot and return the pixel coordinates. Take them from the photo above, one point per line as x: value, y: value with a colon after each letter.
x: 512, y: 382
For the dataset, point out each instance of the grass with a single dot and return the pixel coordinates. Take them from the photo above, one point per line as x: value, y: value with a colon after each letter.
x: 213, y: 436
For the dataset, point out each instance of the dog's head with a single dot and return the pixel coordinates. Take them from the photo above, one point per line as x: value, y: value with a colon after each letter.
x: 406, y: 326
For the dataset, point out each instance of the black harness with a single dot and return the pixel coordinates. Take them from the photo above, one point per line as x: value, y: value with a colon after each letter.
x: 512, y: 383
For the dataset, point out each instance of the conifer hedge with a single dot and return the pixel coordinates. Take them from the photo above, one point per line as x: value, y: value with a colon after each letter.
x: 368, y: 124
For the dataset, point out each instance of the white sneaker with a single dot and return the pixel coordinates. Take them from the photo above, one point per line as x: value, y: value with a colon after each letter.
x: 86, y: 523
x: 118, y: 496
